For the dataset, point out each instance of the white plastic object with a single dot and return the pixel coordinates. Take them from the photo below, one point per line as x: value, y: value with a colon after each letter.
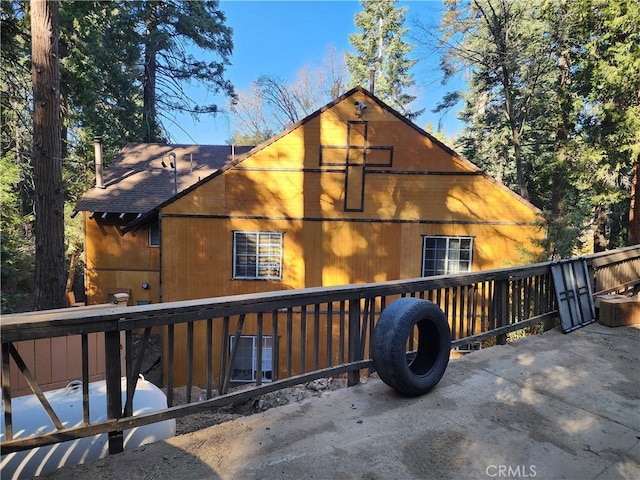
x: 30, y: 418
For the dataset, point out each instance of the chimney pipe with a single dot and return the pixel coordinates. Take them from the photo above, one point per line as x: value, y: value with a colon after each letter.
x: 97, y: 144
x: 372, y: 78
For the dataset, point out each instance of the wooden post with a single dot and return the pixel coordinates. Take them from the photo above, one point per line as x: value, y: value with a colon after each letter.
x: 209, y: 365
x: 353, y: 377
x: 6, y: 392
x: 502, y: 308
x: 190, y: 354
x: 259, y: 340
x: 114, y: 387
x: 634, y: 211
x: 275, y: 347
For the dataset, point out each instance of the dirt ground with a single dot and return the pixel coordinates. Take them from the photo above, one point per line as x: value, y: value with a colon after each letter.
x: 192, y: 423
x: 152, y: 371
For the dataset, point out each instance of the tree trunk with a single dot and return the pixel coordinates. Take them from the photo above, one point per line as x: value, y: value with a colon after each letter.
x: 149, y: 112
x: 149, y: 96
x: 498, y: 25
x: 600, y: 235
x: 47, y: 162
x: 559, y: 179
x: 515, y: 133
x: 72, y: 269
x: 634, y: 211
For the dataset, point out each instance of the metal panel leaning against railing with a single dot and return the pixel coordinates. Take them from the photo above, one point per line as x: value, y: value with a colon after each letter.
x: 314, y: 333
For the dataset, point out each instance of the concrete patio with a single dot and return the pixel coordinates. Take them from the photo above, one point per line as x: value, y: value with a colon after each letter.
x: 551, y: 406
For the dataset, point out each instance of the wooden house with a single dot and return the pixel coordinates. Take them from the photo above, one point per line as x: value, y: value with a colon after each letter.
x: 353, y: 193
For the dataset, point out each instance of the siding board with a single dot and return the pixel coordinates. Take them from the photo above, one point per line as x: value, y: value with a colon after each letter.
x: 337, y: 230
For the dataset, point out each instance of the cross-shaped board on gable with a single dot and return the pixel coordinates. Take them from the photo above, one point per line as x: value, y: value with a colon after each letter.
x: 354, y: 160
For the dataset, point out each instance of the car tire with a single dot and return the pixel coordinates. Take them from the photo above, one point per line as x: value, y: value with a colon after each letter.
x: 418, y: 372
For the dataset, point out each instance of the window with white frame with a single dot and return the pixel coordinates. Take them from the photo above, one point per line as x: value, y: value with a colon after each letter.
x: 257, y: 255
x: 444, y: 255
x: 244, y: 365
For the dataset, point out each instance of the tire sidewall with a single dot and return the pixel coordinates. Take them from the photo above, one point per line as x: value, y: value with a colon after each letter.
x: 388, y: 344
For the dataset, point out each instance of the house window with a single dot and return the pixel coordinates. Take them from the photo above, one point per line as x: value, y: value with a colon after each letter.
x: 444, y: 255
x: 257, y: 255
x: 154, y: 235
x: 245, y: 366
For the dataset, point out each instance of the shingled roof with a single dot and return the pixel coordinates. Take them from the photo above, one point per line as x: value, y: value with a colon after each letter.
x: 137, y: 182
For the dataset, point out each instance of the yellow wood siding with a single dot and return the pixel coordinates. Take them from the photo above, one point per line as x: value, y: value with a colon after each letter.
x: 115, y: 261
x: 285, y: 188
x: 198, y: 255
x: 404, y: 187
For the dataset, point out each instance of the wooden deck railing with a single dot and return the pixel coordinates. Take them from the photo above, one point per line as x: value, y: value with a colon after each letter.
x: 315, y: 332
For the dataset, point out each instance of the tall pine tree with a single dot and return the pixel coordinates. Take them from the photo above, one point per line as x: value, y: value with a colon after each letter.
x: 47, y: 161
x: 167, y: 29
x: 381, y: 45
x: 608, y: 79
x: 552, y: 107
x: 101, y: 71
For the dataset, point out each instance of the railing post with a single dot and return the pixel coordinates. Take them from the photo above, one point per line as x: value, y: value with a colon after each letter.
x: 114, y: 387
x: 502, y: 307
x: 353, y: 377
x: 6, y: 392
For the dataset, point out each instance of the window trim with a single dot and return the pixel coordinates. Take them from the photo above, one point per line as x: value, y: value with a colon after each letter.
x: 448, y: 238
x: 257, y: 275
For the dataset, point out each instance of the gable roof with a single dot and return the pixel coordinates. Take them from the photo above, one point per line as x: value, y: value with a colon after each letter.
x: 143, y: 220
x: 168, y: 196
x: 137, y: 181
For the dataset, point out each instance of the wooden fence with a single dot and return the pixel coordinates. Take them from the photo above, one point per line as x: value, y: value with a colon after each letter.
x: 315, y: 332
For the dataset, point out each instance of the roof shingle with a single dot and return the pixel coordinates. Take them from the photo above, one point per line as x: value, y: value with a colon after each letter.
x: 137, y: 182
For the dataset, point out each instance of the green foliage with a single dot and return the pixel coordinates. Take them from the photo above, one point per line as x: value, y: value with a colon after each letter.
x: 17, y: 247
x: 16, y: 234
x: 552, y: 107
x: 440, y: 134
x: 609, y: 82
x: 73, y: 231
x: 100, y: 70
x: 381, y: 45
x: 102, y: 47
x: 167, y: 30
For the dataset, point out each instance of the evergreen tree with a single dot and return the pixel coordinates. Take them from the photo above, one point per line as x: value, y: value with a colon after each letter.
x: 167, y: 29
x: 380, y: 45
x: 47, y: 161
x: 101, y: 68
x: 101, y: 92
x: 552, y: 107
x: 16, y: 179
x: 518, y: 106
x: 607, y: 77
x: 501, y: 42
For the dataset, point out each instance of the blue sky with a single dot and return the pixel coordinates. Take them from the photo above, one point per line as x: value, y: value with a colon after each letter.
x: 279, y: 38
